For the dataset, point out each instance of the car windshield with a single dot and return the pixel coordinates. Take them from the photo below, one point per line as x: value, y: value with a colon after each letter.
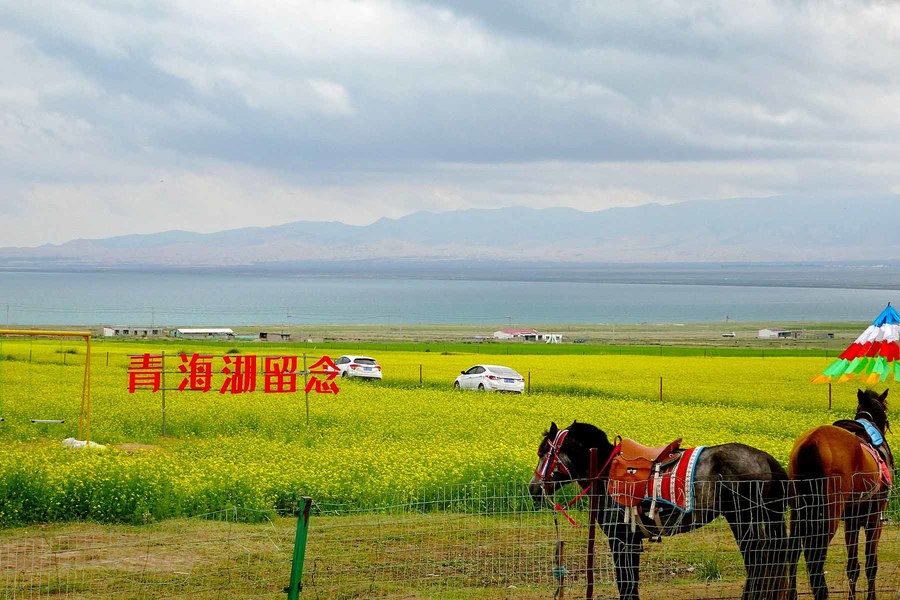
x: 504, y: 372
x: 364, y: 361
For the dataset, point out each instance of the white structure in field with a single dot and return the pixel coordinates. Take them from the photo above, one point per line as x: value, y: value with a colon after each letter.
x: 109, y: 331
x: 203, y: 333
x: 772, y: 333
x: 528, y: 335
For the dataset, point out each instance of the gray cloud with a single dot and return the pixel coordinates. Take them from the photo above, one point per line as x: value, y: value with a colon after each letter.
x: 135, y: 116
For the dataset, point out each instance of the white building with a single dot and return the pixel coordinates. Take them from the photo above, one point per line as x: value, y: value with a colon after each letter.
x: 528, y: 335
x: 110, y: 331
x: 202, y: 333
x: 772, y: 333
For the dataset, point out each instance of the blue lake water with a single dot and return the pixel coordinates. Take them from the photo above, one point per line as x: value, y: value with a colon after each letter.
x: 225, y: 299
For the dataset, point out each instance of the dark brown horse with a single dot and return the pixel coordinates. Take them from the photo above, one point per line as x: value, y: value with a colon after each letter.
x: 837, y: 478
x: 745, y: 485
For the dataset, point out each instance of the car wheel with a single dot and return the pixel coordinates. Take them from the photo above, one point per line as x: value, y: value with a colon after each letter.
x: 455, y: 385
x: 480, y: 387
x: 343, y: 373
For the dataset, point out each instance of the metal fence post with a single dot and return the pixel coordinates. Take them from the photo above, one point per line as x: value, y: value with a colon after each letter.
x: 163, y: 387
x: 296, y: 585
x: 593, y: 515
x: 306, y: 387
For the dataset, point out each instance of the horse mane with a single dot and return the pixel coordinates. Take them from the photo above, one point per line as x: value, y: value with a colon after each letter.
x: 586, y: 434
x: 874, y: 406
x: 589, y: 435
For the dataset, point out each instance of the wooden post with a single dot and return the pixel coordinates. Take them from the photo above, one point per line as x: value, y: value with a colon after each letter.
x: 660, y: 390
x: 592, y: 517
x: 529, y: 383
x: 420, y: 374
x: 305, y: 387
x: 560, y: 571
x: 829, y: 395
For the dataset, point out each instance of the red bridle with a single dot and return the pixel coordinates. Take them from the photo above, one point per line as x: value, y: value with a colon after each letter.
x: 551, y: 463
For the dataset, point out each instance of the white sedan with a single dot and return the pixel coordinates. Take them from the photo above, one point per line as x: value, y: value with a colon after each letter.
x: 490, y: 378
x: 358, y: 366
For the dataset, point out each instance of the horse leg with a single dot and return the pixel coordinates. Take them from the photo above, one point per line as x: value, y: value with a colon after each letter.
x: 626, y: 550
x: 873, y: 527
x: 755, y: 514
x: 818, y: 528
x: 795, y: 547
x: 745, y: 534
x: 778, y: 540
x: 851, y: 542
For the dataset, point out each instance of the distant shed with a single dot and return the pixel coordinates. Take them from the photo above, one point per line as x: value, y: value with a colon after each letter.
x: 772, y: 333
x: 527, y: 335
x: 203, y: 333
x: 269, y: 336
x: 129, y: 331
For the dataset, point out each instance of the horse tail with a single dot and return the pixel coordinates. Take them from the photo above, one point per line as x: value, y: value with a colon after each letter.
x: 808, y: 502
x: 809, y: 497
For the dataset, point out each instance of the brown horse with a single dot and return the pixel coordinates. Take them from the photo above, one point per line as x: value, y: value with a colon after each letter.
x: 837, y: 478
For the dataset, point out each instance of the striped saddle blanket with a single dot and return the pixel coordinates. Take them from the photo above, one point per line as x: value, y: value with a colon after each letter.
x: 670, y: 483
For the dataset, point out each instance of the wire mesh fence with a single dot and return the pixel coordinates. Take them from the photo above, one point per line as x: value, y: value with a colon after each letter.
x: 469, y: 541
x: 501, y: 546
x: 234, y: 553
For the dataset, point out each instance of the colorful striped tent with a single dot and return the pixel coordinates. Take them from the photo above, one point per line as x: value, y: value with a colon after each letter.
x: 875, y: 355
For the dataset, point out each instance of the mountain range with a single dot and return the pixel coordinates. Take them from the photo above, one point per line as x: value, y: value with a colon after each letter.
x: 775, y: 229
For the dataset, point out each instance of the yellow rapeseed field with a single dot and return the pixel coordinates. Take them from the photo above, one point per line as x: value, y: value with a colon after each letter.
x: 371, y: 443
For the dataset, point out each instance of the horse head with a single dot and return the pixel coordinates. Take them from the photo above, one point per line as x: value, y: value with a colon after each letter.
x: 873, y: 407
x: 564, y: 456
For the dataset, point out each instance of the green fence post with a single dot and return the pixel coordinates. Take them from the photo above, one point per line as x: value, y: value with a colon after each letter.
x: 296, y: 586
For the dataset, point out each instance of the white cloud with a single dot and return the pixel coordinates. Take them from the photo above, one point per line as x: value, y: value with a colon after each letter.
x: 291, y: 108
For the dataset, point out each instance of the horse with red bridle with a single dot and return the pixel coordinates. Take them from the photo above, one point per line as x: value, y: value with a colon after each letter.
x: 745, y: 485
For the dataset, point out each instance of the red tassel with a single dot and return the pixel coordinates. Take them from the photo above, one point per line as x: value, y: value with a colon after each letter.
x: 565, y: 514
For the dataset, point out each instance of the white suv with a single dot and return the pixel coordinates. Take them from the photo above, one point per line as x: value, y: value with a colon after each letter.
x: 358, y: 366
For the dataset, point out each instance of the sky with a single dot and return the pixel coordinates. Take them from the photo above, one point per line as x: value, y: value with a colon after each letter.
x: 131, y: 116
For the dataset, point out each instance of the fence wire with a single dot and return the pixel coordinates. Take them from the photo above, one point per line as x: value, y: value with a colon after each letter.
x: 469, y: 541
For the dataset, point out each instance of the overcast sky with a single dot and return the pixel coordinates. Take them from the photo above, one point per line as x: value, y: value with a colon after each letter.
x: 122, y: 116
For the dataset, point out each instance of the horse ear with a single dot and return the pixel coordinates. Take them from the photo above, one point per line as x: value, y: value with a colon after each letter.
x: 553, y: 428
x: 860, y: 395
x: 883, y: 397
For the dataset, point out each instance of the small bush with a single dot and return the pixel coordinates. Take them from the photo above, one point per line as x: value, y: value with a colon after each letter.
x: 233, y: 351
x: 709, y: 569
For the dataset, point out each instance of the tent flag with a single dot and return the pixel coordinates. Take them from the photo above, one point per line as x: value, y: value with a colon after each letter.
x: 873, y: 357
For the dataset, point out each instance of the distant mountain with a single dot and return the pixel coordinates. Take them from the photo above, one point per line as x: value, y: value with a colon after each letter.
x: 778, y: 229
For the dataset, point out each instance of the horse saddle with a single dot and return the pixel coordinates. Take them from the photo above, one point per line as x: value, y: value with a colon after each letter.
x: 632, y: 468
x: 872, y: 440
